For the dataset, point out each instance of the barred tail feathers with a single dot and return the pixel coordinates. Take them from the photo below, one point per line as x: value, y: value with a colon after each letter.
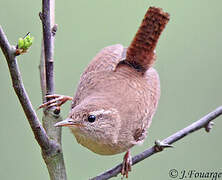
x: 140, y: 53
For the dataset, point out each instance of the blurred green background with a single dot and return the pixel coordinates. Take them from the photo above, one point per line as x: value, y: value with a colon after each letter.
x: 189, y: 64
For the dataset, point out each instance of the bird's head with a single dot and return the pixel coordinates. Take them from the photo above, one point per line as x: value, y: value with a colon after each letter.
x: 92, y: 119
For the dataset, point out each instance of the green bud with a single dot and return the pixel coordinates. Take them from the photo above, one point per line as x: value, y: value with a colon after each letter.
x: 25, y: 46
x: 28, y: 38
x: 20, y: 43
x: 25, y: 43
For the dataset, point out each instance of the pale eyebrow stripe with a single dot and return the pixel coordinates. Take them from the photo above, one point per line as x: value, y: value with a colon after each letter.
x: 102, y: 111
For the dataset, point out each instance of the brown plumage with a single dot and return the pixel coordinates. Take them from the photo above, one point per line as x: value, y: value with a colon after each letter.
x: 118, y: 93
x: 126, y: 99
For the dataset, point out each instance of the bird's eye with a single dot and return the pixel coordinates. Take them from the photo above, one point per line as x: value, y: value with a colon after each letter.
x: 91, y: 118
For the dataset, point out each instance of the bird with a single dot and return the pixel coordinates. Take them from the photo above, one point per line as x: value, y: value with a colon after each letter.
x: 118, y: 94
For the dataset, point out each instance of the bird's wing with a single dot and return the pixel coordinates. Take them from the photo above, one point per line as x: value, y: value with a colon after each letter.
x: 107, y: 59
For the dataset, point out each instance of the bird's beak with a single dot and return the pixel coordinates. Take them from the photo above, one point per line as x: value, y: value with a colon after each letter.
x: 68, y: 122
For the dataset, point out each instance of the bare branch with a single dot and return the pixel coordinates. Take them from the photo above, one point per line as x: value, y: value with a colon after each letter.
x: 42, y: 73
x: 48, y: 7
x: 46, y: 68
x: 55, y: 162
x: 38, y: 130
x: 202, y: 123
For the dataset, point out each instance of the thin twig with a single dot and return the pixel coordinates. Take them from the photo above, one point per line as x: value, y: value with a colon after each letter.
x: 47, y: 24
x: 46, y: 69
x: 55, y: 162
x: 202, y: 123
x: 42, y: 73
x: 38, y: 130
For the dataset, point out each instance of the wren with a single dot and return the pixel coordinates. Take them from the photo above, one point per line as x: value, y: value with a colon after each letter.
x: 118, y: 94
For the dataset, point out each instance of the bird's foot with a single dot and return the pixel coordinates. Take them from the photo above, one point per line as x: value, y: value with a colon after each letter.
x: 160, y: 145
x: 127, y: 164
x: 58, y: 101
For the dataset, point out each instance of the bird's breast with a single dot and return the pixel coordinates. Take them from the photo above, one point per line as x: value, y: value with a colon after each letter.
x: 97, y: 146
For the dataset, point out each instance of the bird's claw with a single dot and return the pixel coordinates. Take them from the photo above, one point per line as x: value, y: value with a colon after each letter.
x: 58, y: 101
x: 160, y: 145
x: 127, y: 164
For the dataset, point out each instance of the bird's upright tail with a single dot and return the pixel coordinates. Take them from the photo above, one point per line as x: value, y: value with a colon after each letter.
x: 141, y: 52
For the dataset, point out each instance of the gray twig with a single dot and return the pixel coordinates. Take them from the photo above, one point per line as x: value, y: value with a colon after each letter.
x: 202, y: 123
x: 54, y: 159
x: 48, y: 39
x: 42, y: 73
x: 38, y: 130
x: 48, y: 137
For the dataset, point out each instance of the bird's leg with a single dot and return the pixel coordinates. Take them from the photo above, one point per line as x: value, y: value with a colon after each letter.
x: 127, y: 164
x: 58, y: 101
